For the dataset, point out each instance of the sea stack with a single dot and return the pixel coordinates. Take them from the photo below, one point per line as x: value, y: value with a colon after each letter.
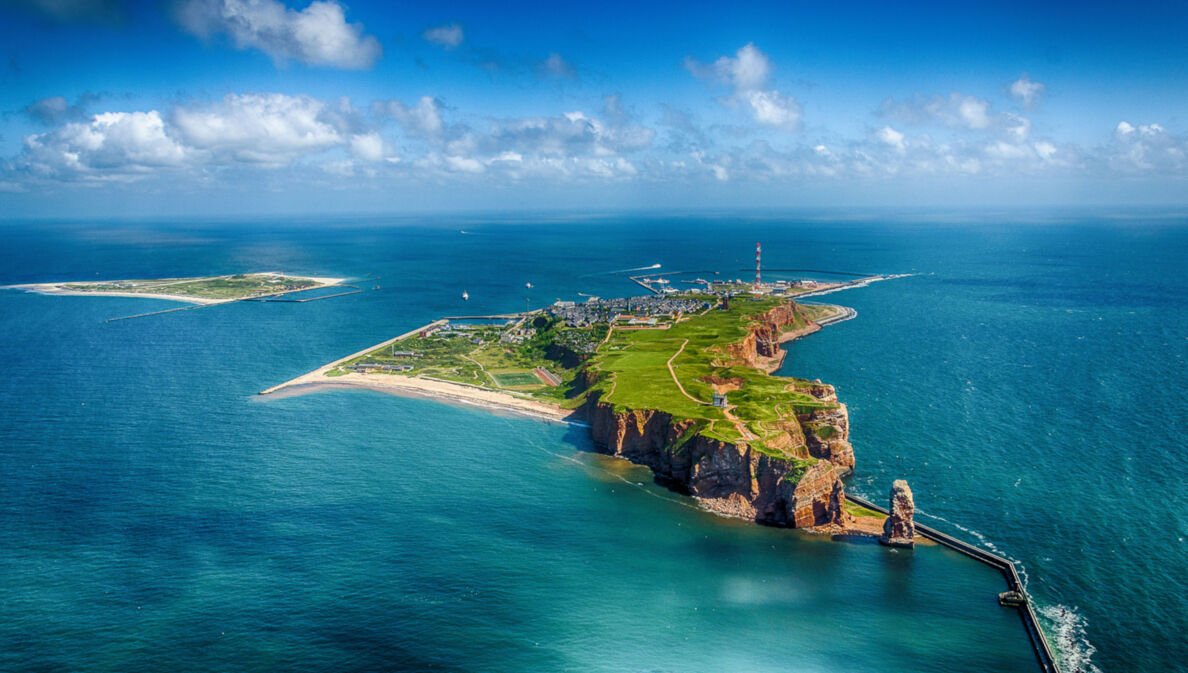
x: 899, y: 529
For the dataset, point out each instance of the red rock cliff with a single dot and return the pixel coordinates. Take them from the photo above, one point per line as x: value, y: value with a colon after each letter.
x: 733, y: 478
x: 729, y: 478
x: 825, y: 432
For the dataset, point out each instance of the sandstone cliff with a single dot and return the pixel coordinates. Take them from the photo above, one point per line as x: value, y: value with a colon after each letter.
x: 801, y: 489
x: 729, y: 478
x: 899, y: 530
x: 824, y: 432
x: 761, y: 347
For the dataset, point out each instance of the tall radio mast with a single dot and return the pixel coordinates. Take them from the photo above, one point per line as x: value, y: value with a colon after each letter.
x: 758, y: 252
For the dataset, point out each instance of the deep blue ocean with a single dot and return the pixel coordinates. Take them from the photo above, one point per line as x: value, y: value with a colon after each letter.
x: 1029, y: 381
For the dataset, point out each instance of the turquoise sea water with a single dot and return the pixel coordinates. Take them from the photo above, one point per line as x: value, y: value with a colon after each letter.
x: 157, y: 514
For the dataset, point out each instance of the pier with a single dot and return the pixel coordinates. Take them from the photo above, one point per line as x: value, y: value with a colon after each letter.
x: 168, y: 310
x: 1039, y: 642
x: 649, y: 288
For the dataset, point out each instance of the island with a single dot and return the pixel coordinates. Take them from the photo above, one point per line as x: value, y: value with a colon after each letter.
x: 201, y: 290
x: 680, y: 382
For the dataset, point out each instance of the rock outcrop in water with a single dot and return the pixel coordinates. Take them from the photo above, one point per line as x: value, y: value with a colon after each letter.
x: 802, y: 490
x: 899, y: 530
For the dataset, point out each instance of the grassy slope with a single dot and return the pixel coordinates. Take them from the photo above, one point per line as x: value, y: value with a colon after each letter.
x: 637, y: 362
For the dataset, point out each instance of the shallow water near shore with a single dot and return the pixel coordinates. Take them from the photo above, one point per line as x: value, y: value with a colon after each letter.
x: 1028, y: 382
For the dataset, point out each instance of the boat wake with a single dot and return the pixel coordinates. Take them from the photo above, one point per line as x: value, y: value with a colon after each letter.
x: 607, y: 273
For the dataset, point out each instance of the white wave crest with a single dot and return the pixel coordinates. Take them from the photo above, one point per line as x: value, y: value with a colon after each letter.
x: 1067, y: 626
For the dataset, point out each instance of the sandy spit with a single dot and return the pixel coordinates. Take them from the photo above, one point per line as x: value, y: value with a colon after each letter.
x: 425, y: 387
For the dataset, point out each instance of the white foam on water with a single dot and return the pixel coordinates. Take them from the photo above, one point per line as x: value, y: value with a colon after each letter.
x: 1067, y: 626
x: 983, y: 541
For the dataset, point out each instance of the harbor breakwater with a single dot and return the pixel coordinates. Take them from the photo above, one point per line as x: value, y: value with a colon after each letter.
x: 1039, y: 641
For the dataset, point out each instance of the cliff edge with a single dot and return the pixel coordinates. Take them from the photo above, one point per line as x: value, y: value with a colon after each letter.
x: 790, y: 476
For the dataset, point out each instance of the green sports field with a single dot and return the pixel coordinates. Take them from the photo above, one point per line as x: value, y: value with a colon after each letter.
x: 513, y: 379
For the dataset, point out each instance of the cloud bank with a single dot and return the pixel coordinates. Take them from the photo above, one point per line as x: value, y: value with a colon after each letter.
x: 301, y: 139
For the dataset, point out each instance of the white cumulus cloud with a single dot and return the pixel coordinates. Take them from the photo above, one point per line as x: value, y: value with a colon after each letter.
x: 110, y: 145
x: 420, y: 120
x: 747, y: 73
x: 1026, y: 91
x: 772, y: 109
x: 316, y: 35
x: 747, y: 70
x: 368, y: 147
x: 1147, y: 148
x: 973, y: 112
x: 891, y: 137
x: 262, y: 128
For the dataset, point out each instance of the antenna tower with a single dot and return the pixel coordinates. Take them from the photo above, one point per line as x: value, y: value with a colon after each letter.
x: 758, y: 252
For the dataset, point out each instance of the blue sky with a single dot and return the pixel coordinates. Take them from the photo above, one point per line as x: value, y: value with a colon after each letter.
x: 268, y: 106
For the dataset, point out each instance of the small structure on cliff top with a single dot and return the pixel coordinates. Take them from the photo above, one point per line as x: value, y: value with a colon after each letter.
x: 899, y: 530
x: 720, y: 400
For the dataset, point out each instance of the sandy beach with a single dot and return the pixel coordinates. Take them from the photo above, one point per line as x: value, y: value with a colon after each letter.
x: 425, y: 387
x: 417, y: 385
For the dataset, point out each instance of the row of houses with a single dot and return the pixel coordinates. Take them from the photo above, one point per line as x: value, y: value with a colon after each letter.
x: 368, y: 367
x: 630, y: 308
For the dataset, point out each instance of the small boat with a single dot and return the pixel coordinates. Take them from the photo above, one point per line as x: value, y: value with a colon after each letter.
x: 465, y: 295
x: 376, y: 287
x: 528, y: 285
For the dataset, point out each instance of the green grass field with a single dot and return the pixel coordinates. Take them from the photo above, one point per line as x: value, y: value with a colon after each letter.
x: 512, y: 379
x: 854, y: 509
x: 639, y: 377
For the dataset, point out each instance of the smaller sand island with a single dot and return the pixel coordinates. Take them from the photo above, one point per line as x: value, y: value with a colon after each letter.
x: 679, y: 382
x: 203, y: 290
